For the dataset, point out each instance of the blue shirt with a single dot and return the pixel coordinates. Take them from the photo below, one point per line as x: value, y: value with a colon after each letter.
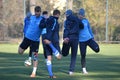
x: 86, y: 33
x: 34, y: 31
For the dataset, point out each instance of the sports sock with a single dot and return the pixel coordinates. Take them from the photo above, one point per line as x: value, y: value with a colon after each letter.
x: 49, y: 67
x: 55, y: 51
x: 29, y: 58
x: 52, y: 47
x: 34, y: 70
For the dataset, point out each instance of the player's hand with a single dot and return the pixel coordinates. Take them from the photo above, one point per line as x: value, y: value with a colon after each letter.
x: 66, y: 40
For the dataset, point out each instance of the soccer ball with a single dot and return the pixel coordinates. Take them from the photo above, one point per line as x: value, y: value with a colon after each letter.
x: 27, y: 63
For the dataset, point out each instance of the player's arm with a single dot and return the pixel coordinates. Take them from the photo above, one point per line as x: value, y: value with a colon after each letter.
x: 66, y: 32
x: 42, y: 23
x: 24, y: 28
x: 81, y: 26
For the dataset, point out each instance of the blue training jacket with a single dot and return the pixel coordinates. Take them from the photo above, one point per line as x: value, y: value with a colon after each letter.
x: 52, y: 29
x: 34, y: 30
x: 86, y: 33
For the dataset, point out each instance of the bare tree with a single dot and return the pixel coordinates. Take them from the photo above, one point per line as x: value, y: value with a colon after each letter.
x: 32, y: 6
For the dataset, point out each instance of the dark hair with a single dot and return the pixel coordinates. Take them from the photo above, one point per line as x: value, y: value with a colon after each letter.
x: 44, y: 12
x: 55, y: 12
x: 37, y: 9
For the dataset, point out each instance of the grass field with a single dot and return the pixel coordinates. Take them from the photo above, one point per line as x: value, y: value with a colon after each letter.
x: 102, y: 66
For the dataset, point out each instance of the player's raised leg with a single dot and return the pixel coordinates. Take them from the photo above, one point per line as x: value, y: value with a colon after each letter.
x: 20, y: 50
x: 23, y: 46
x: 55, y: 51
x: 29, y: 60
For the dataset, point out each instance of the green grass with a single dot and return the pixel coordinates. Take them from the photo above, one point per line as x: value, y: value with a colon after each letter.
x: 102, y: 66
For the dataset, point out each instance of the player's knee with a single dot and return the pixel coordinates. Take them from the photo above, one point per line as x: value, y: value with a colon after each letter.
x: 35, y: 56
x: 20, y: 50
x: 48, y: 62
x: 46, y: 41
x: 97, y: 50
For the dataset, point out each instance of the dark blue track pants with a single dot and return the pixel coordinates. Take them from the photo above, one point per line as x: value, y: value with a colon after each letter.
x: 83, y: 45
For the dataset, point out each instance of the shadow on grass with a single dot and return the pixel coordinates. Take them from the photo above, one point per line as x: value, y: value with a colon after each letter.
x: 100, y: 67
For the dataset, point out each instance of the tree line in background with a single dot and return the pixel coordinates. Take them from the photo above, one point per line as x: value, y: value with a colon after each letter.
x: 12, y: 16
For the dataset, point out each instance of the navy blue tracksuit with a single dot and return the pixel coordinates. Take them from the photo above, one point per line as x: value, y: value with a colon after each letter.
x: 71, y: 31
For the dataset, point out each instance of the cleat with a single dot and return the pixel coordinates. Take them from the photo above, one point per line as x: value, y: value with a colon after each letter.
x: 33, y: 75
x: 70, y: 73
x: 52, y: 77
x: 28, y: 62
x: 84, y: 71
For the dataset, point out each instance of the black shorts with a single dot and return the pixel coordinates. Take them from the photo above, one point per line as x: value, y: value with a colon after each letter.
x: 29, y: 43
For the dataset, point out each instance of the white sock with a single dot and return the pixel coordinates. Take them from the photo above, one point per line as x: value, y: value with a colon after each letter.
x: 84, y: 69
x: 29, y: 58
x: 34, y: 70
